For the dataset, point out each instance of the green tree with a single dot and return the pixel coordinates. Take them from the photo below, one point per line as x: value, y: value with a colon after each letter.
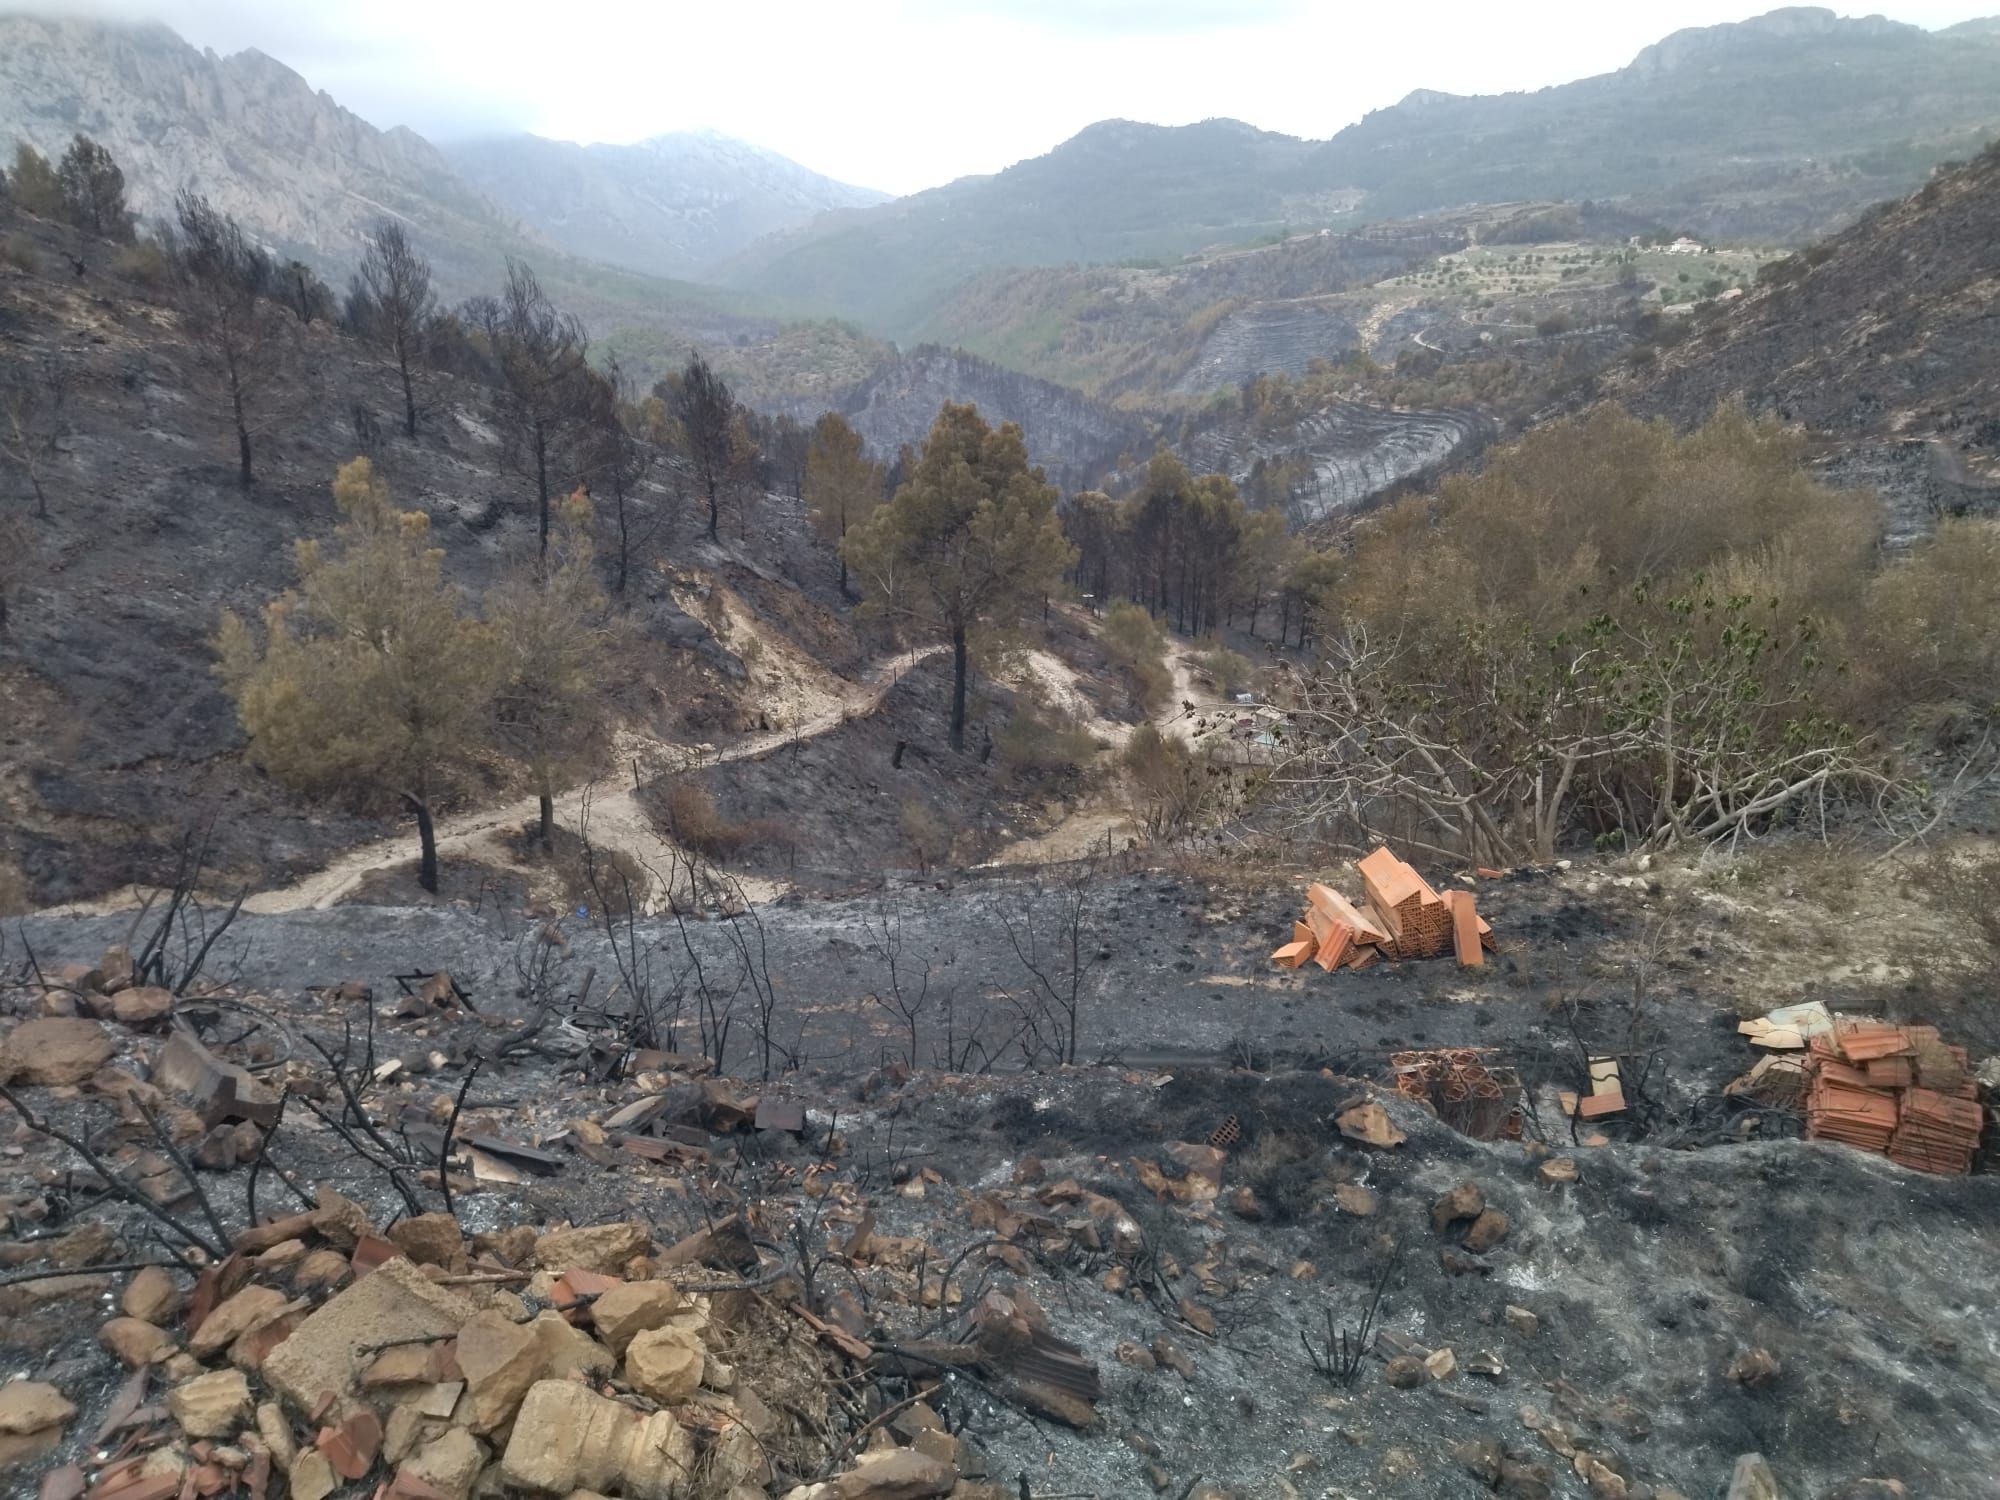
x: 843, y: 486
x: 93, y: 191
x: 970, y: 540
x: 370, y: 675
x: 33, y: 183
x: 550, y: 623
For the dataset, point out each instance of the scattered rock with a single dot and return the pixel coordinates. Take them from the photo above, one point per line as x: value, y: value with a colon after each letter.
x: 604, y: 1248
x: 500, y: 1361
x: 250, y: 1308
x: 1355, y: 1199
x: 30, y: 1406
x: 567, y: 1352
x: 1440, y: 1364
x: 1522, y: 1321
x: 1752, y: 1479
x: 1406, y: 1372
x: 1482, y: 1458
x: 135, y: 1343
x: 312, y: 1477
x: 325, y: 1353
x: 320, y: 1269
x: 1136, y: 1355
x: 896, y: 1474
x: 1466, y: 1201
x: 1557, y: 1172
x: 213, y: 1405
x: 450, y: 1464
x: 430, y: 1240
x: 568, y: 1438
x: 55, y: 1050
x: 152, y: 1297
x: 142, y: 1006
x: 1486, y: 1231
x: 632, y: 1308
x: 1755, y: 1368
x: 664, y: 1363
x: 1370, y: 1124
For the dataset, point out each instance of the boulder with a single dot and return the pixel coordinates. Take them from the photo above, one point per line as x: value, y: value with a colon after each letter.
x: 1486, y: 1231
x: 55, y: 1050
x: 500, y: 1361
x: 145, y: 1004
x: 213, y: 1405
x: 567, y: 1438
x: 664, y: 1363
x: 896, y: 1474
x: 631, y: 1308
x: 603, y: 1248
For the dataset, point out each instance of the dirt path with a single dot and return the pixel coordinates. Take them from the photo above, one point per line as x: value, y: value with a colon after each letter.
x: 617, y: 822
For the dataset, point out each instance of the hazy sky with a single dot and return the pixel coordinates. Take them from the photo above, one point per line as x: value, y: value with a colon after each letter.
x: 905, y: 94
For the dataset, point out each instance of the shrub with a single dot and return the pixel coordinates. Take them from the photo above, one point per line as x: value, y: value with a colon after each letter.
x: 1044, y: 741
x: 695, y: 822
x: 1933, y: 622
x: 1172, y: 787
x: 1230, y: 671
x: 18, y: 251
x: 142, y: 261
x: 1136, y: 645
x: 927, y: 833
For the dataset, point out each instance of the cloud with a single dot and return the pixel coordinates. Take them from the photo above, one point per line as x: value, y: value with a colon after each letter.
x: 1131, y: 17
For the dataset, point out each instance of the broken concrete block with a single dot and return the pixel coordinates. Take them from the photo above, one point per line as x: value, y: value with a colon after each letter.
x: 499, y: 1360
x: 135, y: 1343
x: 603, y: 1248
x: 326, y: 1352
x: 569, y: 1438
x: 212, y: 1405
x: 665, y: 1363
x: 277, y: 1435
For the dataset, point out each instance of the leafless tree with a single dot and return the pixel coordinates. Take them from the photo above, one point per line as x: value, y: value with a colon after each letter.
x: 545, y: 382
x: 1056, y: 946
x: 396, y: 283
x: 15, y: 560
x: 907, y: 992
x: 225, y: 281
x: 620, y: 462
x: 34, y: 424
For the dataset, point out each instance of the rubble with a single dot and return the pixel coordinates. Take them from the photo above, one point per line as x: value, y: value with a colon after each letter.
x: 1401, y: 917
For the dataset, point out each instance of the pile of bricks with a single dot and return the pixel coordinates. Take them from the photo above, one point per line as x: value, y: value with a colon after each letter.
x: 1400, y: 917
x: 1897, y: 1091
x: 1467, y: 1088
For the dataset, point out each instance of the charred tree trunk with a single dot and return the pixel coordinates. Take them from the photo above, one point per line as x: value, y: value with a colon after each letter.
x: 427, y: 857
x: 548, y: 811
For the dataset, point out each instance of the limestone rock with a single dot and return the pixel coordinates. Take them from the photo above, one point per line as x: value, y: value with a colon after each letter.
x: 1753, y: 1479
x: 1523, y: 1322
x: 450, y: 1463
x: 1406, y: 1372
x: 152, y: 1297
x: 1486, y: 1231
x: 500, y: 1361
x: 135, y: 1343
x: 32, y: 1406
x: 896, y: 1474
x: 568, y: 1438
x: 143, y: 1005
x: 250, y: 1308
x: 320, y: 1268
x: 277, y: 1435
x: 55, y: 1050
x: 664, y: 1363
x: 631, y: 1308
x: 213, y: 1405
x: 1466, y: 1201
x: 325, y: 1353
x: 429, y: 1240
x: 312, y: 1476
x: 567, y: 1351
x: 341, y: 1221
x: 1355, y: 1199
x: 604, y: 1248
x: 1369, y: 1123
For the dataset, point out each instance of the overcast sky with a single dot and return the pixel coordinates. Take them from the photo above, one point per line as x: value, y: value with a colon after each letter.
x: 906, y: 94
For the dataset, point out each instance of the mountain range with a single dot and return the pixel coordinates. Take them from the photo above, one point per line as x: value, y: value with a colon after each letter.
x: 1780, y: 127
x: 670, y: 205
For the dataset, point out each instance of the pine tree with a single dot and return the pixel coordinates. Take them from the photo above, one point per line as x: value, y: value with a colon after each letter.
x: 93, y: 191
x: 971, y: 540
x: 370, y: 675
x: 396, y: 283
x: 33, y: 184
x: 550, y: 623
x: 843, y: 486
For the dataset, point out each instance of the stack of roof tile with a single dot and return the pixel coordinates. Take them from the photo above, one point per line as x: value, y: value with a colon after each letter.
x: 1898, y: 1091
x: 1401, y: 916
